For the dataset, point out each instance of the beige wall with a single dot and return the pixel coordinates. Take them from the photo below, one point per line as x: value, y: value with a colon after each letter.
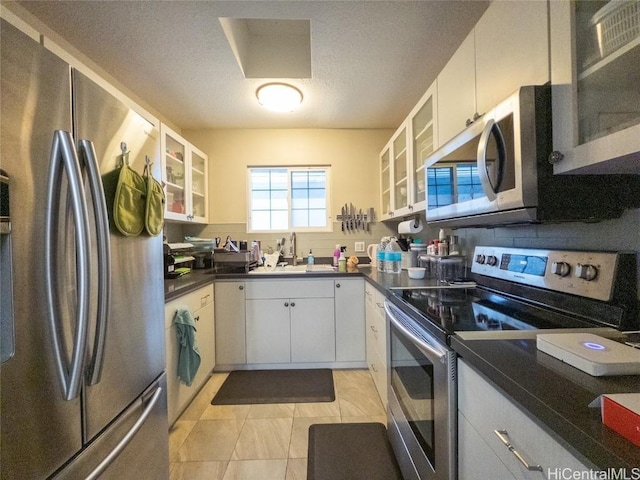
x: 352, y: 154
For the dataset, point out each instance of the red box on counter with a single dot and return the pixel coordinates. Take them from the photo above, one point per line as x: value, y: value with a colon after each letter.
x: 621, y: 412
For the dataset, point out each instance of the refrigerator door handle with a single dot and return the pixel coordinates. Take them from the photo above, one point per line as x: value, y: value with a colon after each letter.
x: 64, y: 160
x: 122, y: 444
x: 89, y: 157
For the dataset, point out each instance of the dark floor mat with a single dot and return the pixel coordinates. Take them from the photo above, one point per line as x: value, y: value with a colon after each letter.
x: 351, y: 451
x: 276, y: 386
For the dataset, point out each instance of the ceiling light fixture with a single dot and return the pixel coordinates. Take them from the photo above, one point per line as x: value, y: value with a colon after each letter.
x: 279, y: 97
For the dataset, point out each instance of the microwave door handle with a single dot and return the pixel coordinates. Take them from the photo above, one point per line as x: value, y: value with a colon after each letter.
x: 490, y: 190
x: 64, y: 160
x: 104, y: 258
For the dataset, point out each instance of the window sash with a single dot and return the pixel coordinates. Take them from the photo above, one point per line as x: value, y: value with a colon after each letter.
x: 288, y: 198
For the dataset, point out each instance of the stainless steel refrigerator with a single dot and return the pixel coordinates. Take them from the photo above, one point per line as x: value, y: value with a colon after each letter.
x: 82, y: 375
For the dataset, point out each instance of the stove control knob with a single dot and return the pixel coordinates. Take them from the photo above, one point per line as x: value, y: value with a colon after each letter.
x: 481, y: 259
x: 561, y: 269
x: 586, y: 271
x: 492, y: 260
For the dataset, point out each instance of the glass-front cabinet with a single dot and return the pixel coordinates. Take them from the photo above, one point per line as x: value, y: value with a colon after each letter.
x: 595, y: 72
x: 402, y: 175
x: 423, y: 144
x: 185, y: 176
x: 385, y: 181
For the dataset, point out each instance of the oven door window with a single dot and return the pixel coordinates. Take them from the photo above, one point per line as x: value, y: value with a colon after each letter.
x: 412, y: 381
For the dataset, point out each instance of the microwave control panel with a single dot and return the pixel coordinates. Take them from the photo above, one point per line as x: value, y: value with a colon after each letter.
x: 583, y: 273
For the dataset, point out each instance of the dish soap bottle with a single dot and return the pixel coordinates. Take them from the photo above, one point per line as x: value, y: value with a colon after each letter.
x: 336, y: 256
x: 342, y: 262
x: 310, y: 259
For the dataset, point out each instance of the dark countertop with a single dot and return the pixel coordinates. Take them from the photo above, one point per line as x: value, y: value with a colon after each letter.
x: 555, y: 395
x: 199, y: 278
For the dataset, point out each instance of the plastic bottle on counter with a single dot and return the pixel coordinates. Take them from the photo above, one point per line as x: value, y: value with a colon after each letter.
x: 380, y: 253
x: 336, y: 255
x: 393, y: 257
x: 342, y: 262
x: 310, y: 258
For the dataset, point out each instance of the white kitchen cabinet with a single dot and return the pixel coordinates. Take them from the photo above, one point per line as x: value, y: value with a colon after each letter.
x: 386, y: 207
x: 350, y: 320
x: 402, y: 160
x: 313, y: 331
x: 376, y: 339
x: 595, y: 95
x: 423, y: 128
x: 507, y: 48
x: 201, y: 305
x: 230, y: 323
x: 475, y: 458
x: 488, y: 411
x: 268, y: 331
x: 185, y: 175
x: 290, y: 321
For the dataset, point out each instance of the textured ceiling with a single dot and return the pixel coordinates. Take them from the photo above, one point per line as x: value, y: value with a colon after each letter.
x: 371, y: 60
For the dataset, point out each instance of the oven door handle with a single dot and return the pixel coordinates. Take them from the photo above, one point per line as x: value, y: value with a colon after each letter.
x: 439, y: 353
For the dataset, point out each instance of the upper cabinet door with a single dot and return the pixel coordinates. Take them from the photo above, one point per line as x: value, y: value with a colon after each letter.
x: 512, y: 50
x: 199, y: 206
x: 423, y: 134
x: 508, y: 48
x: 457, y: 91
x: 595, y: 73
x: 185, y: 174
x: 385, y: 182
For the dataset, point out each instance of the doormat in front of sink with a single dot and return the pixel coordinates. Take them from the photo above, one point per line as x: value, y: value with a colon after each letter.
x: 243, y: 387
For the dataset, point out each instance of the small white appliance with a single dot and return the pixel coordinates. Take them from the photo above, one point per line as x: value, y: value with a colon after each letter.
x: 595, y: 355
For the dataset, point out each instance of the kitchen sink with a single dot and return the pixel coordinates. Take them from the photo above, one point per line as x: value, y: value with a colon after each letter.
x: 295, y: 269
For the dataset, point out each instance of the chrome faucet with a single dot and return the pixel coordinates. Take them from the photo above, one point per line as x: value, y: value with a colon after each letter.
x: 292, y: 248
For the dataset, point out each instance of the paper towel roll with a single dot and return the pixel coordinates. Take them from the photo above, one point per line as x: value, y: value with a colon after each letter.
x: 410, y: 226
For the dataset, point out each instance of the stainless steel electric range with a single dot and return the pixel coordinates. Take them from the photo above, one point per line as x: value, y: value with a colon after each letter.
x: 511, y: 293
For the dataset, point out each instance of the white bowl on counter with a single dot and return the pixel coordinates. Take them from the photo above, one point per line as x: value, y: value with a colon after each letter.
x: 416, y: 273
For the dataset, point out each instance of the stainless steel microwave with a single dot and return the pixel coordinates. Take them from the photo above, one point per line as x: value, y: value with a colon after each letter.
x: 497, y: 172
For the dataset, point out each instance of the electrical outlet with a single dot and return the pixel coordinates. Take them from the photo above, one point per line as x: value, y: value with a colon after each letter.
x: 359, y: 247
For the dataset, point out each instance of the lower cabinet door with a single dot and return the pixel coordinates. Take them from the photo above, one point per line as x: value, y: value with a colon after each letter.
x: 268, y: 331
x: 475, y: 458
x: 313, y: 333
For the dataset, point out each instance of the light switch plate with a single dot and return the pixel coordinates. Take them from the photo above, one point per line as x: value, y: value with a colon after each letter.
x: 359, y: 247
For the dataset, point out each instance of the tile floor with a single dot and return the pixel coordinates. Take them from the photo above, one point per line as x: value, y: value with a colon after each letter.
x: 262, y: 442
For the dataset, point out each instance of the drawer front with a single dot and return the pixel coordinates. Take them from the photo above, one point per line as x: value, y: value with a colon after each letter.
x: 488, y: 410
x: 192, y: 301
x: 266, y: 289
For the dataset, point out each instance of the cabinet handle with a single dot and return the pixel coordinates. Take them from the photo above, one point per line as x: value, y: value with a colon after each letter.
x: 337, y: 285
x: 197, y: 319
x: 293, y: 304
x: 373, y: 367
x: 368, y: 293
x: 241, y: 287
x: 379, y: 305
x: 503, y: 436
x: 373, y: 329
x: 286, y: 304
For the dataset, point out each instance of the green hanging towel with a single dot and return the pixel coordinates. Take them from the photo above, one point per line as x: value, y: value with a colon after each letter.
x: 188, y: 353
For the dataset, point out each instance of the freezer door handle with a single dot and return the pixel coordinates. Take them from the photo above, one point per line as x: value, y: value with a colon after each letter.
x: 64, y: 160
x: 122, y: 444
x: 89, y: 158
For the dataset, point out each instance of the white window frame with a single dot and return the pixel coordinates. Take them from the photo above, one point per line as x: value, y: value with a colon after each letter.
x: 290, y: 169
